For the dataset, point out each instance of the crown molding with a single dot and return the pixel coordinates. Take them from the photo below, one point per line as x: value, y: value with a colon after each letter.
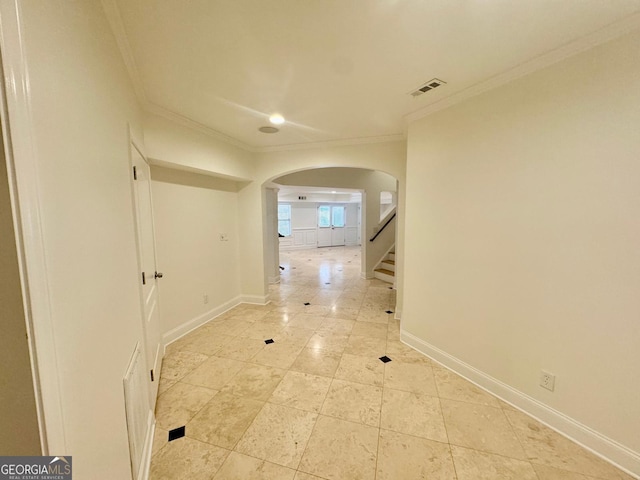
x: 152, y: 108
x: 334, y: 143
x: 163, y: 112
x: 605, y: 34
x: 114, y: 18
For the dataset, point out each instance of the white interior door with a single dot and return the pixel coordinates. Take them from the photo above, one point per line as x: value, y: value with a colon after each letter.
x: 148, y: 271
x: 337, y: 225
x: 324, y: 226
x: 331, y: 221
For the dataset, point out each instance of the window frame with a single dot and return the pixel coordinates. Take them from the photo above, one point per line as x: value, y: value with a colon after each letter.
x: 288, y: 220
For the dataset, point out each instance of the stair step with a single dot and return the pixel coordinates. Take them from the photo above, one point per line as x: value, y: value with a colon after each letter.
x: 385, y: 271
x: 388, y: 265
x: 384, y: 275
x: 391, y: 256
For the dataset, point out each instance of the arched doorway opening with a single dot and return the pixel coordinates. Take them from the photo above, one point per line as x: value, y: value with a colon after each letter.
x: 330, y: 206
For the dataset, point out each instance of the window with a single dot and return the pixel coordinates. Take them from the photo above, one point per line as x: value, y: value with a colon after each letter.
x: 284, y: 220
x: 330, y: 216
x: 324, y: 216
x: 337, y: 216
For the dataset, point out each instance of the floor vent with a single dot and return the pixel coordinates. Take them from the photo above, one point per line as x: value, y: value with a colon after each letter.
x: 430, y: 85
x: 136, y: 408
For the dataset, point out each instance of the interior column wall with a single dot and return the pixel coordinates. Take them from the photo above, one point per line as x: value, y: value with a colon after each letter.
x: 272, y: 242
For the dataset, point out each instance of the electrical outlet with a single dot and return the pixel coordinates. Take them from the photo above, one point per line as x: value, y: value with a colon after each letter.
x: 547, y: 380
x: 205, y: 298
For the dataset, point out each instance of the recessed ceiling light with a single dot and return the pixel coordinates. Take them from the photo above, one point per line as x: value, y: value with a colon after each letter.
x: 276, y: 119
x: 269, y: 129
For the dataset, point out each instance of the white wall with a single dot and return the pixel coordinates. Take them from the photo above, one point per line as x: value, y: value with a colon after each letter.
x: 352, y: 223
x: 522, y: 237
x: 304, y: 223
x: 169, y: 143
x: 320, y: 197
x: 75, y: 146
x: 191, y: 212
x: 304, y: 214
x: 304, y: 228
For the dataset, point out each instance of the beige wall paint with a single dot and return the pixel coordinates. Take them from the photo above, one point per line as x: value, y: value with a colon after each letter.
x: 191, y: 211
x: 388, y: 157
x: 522, y: 235
x: 81, y: 108
x: 169, y: 143
x: 18, y: 415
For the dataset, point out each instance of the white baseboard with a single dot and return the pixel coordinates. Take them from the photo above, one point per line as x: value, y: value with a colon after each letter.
x: 145, y: 464
x: 255, y: 299
x: 602, y: 446
x: 366, y: 275
x: 397, y: 315
x: 179, y: 332
x: 182, y: 330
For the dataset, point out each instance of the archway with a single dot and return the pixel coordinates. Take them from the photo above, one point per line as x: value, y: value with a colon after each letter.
x: 387, y: 157
x: 370, y: 183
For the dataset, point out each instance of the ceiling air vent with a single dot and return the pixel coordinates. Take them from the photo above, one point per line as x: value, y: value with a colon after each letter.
x: 430, y: 85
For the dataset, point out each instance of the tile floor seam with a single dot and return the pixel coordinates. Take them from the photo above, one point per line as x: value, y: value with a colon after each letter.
x: 326, y: 396
x: 486, y: 452
x: 353, y: 422
x: 418, y: 437
x: 350, y: 309
x: 375, y: 472
x: 565, y: 470
x: 453, y: 460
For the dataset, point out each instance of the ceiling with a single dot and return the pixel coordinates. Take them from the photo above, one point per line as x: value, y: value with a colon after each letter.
x: 338, y: 70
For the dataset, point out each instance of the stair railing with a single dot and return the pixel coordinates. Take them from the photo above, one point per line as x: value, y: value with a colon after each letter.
x: 383, y: 227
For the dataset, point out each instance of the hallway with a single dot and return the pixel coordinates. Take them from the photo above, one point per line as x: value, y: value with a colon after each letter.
x: 317, y: 385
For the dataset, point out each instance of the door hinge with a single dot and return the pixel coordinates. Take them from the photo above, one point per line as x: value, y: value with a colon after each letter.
x: 152, y: 375
x: 135, y: 173
x: 144, y: 280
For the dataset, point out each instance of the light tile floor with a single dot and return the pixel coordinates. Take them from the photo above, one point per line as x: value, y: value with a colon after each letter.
x: 319, y: 404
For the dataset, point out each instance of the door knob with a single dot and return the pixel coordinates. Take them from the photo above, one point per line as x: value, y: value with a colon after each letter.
x: 158, y: 275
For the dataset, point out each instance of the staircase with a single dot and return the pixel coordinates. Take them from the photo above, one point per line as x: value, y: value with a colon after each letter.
x: 386, y: 269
